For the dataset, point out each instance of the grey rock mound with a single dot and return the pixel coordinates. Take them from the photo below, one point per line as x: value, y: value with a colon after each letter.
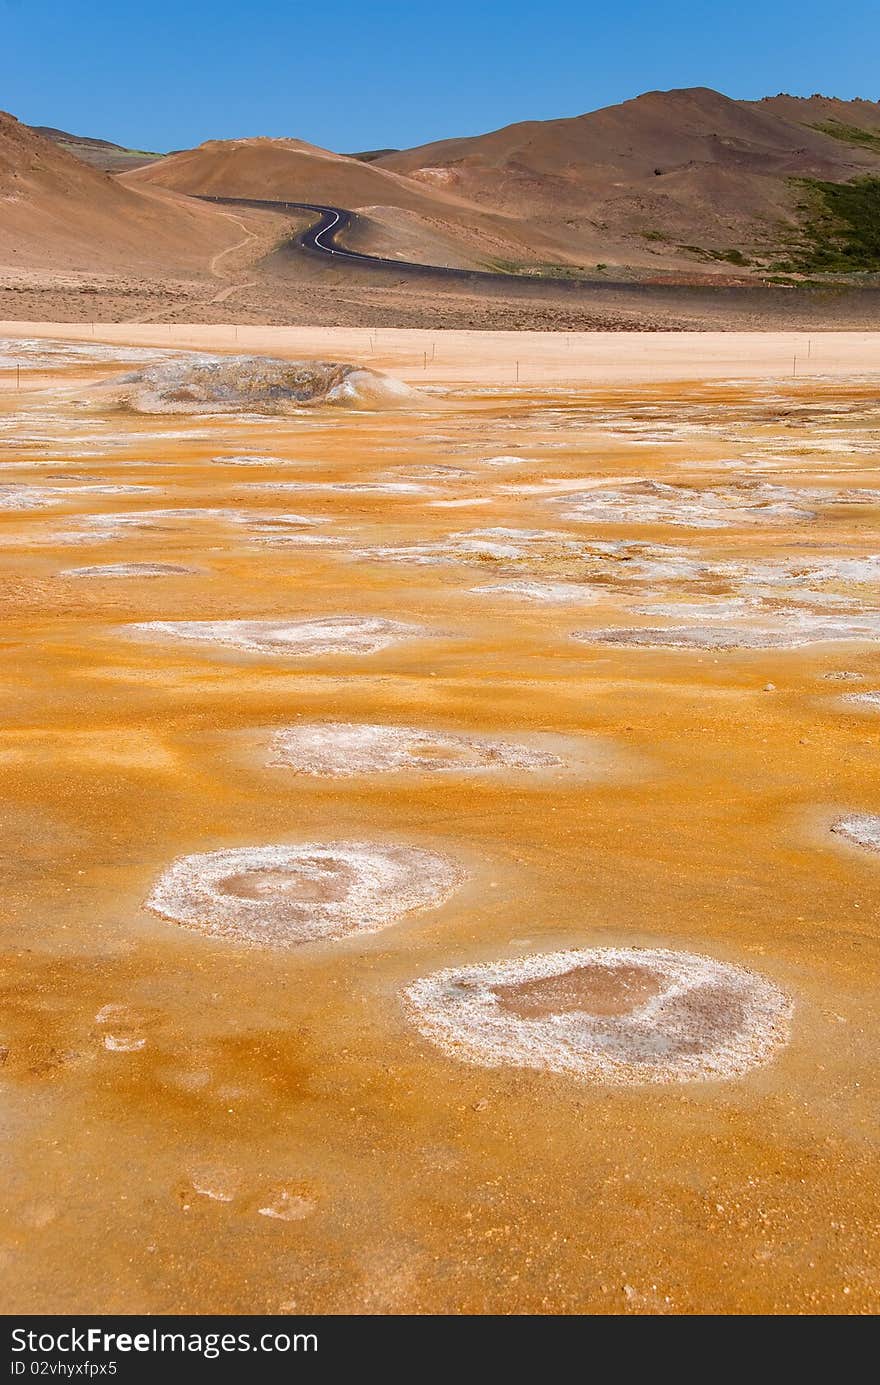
x: 202, y: 384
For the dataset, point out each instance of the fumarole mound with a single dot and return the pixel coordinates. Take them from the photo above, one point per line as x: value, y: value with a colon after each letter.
x: 255, y: 384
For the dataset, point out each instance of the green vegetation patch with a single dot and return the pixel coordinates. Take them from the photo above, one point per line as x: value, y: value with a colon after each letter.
x: 541, y: 270
x: 840, y: 227
x: 849, y: 134
x: 720, y: 256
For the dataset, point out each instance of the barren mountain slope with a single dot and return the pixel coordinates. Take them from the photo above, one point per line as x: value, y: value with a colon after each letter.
x: 102, y: 154
x: 56, y: 211
x: 290, y: 170
x: 817, y: 110
x: 668, y: 169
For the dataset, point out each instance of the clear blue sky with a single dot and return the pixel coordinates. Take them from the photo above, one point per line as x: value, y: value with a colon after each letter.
x: 349, y: 76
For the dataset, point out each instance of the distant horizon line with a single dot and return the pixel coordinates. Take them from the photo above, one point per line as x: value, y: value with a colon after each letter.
x: 529, y: 120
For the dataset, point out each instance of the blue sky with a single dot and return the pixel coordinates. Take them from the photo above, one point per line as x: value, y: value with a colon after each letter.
x: 364, y: 75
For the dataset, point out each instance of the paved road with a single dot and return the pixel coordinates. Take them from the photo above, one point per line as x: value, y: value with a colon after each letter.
x: 320, y: 237
x: 320, y: 240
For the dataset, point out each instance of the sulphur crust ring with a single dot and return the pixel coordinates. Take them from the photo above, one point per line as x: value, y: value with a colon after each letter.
x: 281, y: 896
x: 692, y: 1018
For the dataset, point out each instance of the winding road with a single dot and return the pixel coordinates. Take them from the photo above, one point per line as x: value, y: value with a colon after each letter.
x: 320, y: 238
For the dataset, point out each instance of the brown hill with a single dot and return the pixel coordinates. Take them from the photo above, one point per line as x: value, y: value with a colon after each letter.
x: 100, y: 153
x: 57, y: 211
x: 814, y: 110
x: 276, y: 168
x: 637, y: 181
x: 405, y: 217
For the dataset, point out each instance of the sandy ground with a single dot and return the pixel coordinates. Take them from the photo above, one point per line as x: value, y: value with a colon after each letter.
x: 505, y: 358
x: 198, y: 1125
